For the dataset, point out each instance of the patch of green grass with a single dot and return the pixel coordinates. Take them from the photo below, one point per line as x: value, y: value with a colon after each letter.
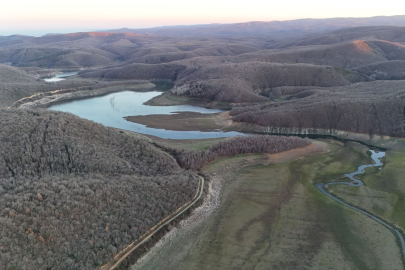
x: 355, y: 248
x: 390, y: 180
x: 273, y: 217
x: 343, y: 158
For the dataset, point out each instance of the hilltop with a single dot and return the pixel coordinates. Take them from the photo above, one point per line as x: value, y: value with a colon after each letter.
x: 298, y: 27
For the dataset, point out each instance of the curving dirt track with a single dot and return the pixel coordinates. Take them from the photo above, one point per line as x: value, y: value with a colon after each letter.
x: 137, y: 243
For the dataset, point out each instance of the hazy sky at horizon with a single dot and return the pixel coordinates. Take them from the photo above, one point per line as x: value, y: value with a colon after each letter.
x: 45, y: 16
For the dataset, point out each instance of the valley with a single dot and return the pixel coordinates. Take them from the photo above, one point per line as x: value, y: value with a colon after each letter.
x: 236, y: 130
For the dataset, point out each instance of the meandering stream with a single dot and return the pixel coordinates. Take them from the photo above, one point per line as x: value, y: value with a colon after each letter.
x: 356, y: 182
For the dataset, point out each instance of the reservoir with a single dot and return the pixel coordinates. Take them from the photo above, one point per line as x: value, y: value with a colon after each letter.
x: 111, y: 109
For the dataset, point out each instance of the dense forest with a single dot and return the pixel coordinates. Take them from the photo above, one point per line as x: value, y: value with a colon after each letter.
x: 74, y: 193
x: 371, y: 108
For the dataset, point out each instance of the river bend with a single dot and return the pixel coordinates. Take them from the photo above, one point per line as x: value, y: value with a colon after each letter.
x: 356, y: 182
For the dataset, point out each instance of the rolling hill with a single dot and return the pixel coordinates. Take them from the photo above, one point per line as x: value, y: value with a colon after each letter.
x: 74, y: 193
x: 287, y: 28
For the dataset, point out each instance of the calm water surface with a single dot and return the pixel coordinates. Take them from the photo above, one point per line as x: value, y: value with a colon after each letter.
x: 109, y: 110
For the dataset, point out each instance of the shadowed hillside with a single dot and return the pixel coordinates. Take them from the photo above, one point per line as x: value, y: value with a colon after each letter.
x: 371, y: 108
x: 239, y: 82
x: 244, y: 82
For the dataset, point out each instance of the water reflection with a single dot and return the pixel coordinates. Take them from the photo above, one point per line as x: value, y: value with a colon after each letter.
x: 110, y: 109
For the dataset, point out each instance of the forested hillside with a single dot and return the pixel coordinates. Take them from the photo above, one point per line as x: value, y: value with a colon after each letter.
x: 371, y: 108
x: 74, y: 193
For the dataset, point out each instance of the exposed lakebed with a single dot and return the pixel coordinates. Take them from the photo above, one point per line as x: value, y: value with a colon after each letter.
x: 111, y: 110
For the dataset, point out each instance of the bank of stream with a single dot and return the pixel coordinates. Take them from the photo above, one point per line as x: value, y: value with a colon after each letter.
x: 376, y: 156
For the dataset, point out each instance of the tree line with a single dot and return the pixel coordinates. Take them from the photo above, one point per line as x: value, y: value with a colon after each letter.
x: 195, y: 160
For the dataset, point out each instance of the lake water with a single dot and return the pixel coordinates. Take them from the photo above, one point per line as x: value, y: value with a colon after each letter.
x: 60, y: 77
x: 111, y: 109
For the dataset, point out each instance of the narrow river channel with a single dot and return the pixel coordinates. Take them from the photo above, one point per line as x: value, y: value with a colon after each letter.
x: 357, y: 182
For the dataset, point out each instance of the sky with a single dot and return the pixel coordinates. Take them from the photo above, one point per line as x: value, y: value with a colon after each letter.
x: 39, y: 17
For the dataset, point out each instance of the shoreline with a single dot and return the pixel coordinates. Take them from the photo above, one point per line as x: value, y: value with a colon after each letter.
x: 47, y: 99
x: 221, y: 121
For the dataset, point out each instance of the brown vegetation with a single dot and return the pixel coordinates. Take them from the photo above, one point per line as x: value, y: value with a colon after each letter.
x: 390, y: 70
x: 10, y: 74
x: 64, y: 180
x: 74, y: 193
x: 371, y: 108
x: 195, y: 160
x: 244, y: 82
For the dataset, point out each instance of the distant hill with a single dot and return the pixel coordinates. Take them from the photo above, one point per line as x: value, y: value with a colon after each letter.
x: 301, y: 27
x: 173, y: 43
x: 388, y: 33
x: 73, y: 50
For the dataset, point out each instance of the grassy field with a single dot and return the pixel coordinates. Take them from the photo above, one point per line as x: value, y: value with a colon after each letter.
x: 272, y: 217
x: 384, y: 190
